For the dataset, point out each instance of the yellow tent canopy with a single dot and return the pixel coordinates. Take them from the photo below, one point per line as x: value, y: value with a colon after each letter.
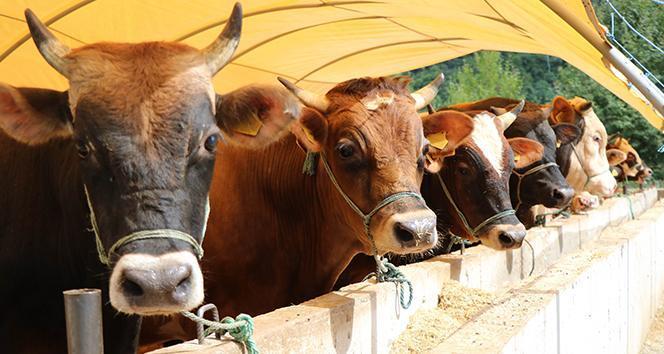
x: 318, y: 43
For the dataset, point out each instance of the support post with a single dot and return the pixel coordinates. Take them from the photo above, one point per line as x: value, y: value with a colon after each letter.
x: 84, y: 321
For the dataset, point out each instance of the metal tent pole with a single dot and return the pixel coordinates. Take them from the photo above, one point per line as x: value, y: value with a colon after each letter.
x: 610, y: 53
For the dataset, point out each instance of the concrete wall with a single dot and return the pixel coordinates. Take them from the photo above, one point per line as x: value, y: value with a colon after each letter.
x: 599, y: 300
x: 366, y: 318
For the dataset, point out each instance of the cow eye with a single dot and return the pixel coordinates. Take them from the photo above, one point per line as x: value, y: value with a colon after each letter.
x: 345, y: 150
x: 211, y: 142
x: 82, y: 148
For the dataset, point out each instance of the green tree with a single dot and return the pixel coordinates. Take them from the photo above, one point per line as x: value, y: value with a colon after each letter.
x: 617, y: 116
x: 485, y: 74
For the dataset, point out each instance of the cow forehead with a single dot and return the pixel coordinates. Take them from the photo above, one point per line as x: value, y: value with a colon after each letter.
x: 147, y: 77
x: 489, y: 140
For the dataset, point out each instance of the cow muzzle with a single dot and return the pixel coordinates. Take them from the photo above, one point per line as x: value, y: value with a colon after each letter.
x: 147, y: 285
x: 407, y: 232
x: 560, y: 197
x: 504, y: 236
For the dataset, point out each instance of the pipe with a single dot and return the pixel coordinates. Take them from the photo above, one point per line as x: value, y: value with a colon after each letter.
x: 613, y: 55
x: 84, y: 321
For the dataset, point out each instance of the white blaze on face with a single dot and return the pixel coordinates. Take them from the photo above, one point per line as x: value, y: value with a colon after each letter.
x: 489, y: 140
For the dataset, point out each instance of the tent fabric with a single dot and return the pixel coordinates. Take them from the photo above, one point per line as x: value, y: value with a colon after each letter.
x: 316, y: 43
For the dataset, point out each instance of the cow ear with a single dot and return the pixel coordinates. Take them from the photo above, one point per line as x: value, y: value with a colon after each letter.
x: 310, y: 130
x: 526, y: 151
x: 256, y: 116
x: 615, y: 156
x: 445, y: 130
x: 34, y: 116
x: 562, y: 111
x: 566, y: 133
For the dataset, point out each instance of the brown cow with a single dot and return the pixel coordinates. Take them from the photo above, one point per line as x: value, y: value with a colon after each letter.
x: 470, y: 194
x: 472, y: 191
x: 285, y: 236
x: 134, y: 140
x: 542, y: 182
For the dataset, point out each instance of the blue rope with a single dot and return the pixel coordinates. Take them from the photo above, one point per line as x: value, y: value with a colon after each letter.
x: 629, y: 25
x: 611, y: 36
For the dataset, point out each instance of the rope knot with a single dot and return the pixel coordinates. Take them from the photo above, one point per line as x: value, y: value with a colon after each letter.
x: 388, y: 272
x: 241, y: 333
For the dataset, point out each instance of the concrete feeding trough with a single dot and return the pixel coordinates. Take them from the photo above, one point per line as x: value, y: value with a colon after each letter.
x: 590, y: 283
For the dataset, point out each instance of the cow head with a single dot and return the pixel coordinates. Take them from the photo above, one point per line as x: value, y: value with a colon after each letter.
x: 144, y: 121
x: 584, y: 162
x: 632, y: 163
x: 546, y: 185
x: 370, y: 133
x: 477, y: 175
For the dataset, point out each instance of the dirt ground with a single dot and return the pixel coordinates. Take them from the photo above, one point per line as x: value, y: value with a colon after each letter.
x: 427, y: 328
x: 654, y: 343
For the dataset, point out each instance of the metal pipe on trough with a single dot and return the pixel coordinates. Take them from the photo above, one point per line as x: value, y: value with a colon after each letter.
x: 84, y: 321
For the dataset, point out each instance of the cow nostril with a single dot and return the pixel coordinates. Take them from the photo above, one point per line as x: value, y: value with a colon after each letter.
x: 131, y: 289
x: 558, y: 195
x: 403, y: 233
x: 506, y: 239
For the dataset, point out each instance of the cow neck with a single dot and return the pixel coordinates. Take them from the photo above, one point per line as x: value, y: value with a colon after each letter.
x: 470, y: 229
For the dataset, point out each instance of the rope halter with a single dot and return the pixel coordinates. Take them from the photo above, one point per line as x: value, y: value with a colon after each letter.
x: 105, y: 257
x: 521, y: 176
x: 384, y: 270
x: 588, y: 175
x: 472, y: 230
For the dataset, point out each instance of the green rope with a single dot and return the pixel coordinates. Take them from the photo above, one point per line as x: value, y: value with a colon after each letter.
x: 521, y: 176
x: 392, y: 274
x: 540, y: 219
x: 310, y: 163
x: 471, y: 230
x: 241, y: 328
x: 385, y: 271
x: 631, y: 209
x: 104, y: 257
x: 588, y: 175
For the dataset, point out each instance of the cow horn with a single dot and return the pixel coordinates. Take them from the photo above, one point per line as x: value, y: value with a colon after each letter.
x: 222, y: 49
x: 426, y: 94
x: 48, y: 45
x: 309, y: 99
x: 509, y: 117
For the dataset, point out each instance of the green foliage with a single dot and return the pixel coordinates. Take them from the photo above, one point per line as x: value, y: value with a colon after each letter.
x: 540, y: 78
x: 484, y: 75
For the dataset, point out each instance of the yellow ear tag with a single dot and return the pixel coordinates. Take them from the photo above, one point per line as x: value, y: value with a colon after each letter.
x: 558, y: 143
x: 614, y: 173
x: 309, y: 136
x: 517, y: 157
x: 249, y: 126
x: 438, y: 140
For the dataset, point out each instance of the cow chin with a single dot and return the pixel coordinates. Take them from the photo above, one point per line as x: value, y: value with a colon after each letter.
x: 147, y: 285
x: 503, y: 236
x: 408, y: 232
